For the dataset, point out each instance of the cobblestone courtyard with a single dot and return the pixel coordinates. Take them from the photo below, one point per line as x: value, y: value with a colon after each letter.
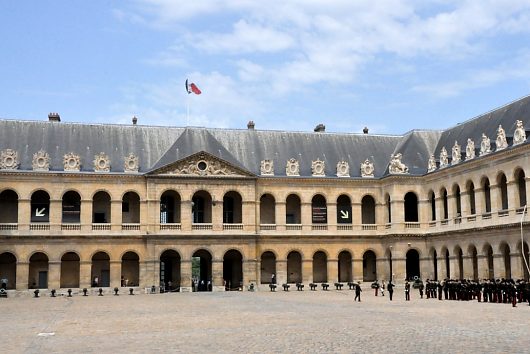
x: 301, y: 322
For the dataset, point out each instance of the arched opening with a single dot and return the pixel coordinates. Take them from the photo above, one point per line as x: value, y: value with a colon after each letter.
x: 101, y: 208
x: 503, y: 188
x: 232, y: 208
x: 505, y: 251
x: 488, y: 251
x: 70, y: 270
x: 130, y: 269
x: 432, y: 202
x: 201, y: 271
x: 458, y: 200
x: 38, y: 271
x: 487, y: 194
x: 460, y: 262
x: 472, y: 252
x: 170, y: 270
x: 434, y: 257
x: 411, y: 207
x: 345, y: 267
x: 525, y: 260
x: 521, y: 187
x: 292, y: 210
x: 413, y: 264
x: 170, y: 208
x: 294, y: 267
x: 471, y: 196
x: 319, y: 210
x: 344, y: 210
x: 8, y: 207
x: 369, y: 266
x: 130, y: 208
x: 233, y: 270
x: 445, y: 204
x: 447, y: 264
x: 100, y: 272
x: 320, y: 267
x: 201, y: 208
x: 388, y: 209
x: 268, y: 267
x: 8, y: 271
x: 71, y: 207
x: 368, y: 210
x: 267, y: 209
x: 40, y: 207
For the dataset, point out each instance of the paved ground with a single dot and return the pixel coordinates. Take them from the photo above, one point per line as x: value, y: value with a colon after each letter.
x: 264, y: 322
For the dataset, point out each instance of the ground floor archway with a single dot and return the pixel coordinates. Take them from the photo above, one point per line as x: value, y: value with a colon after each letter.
x: 320, y: 267
x: 38, y: 271
x: 70, y: 270
x: 345, y: 267
x: 294, y: 267
x: 369, y: 266
x: 233, y: 270
x: 268, y: 267
x: 201, y: 270
x: 100, y: 270
x: 8, y: 271
x: 413, y: 265
x: 170, y: 270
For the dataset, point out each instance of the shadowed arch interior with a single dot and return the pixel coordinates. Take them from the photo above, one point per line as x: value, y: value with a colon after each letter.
x: 8, y: 270
x: 8, y: 207
x: 268, y: 267
x: 170, y: 270
x: 70, y: 268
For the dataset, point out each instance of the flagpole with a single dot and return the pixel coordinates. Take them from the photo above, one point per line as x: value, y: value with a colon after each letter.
x: 188, y: 110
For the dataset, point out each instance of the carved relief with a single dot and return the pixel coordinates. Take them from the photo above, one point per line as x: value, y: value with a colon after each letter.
x: 432, y: 163
x: 456, y: 153
x: 202, y: 165
x: 470, y: 149
x: 443, y: 158
x: 71, y: 162
x: 131, y: 163
x: 9, y: 160
x: 501, y: 139
x: 267, y: 168
x: 318, y: 168
x: 485, y: 145
x: 396, y: 166
x: 41, y: 161
x: 519, y: 135
x: 101, y: 162
x: 367, y: 168
x: 292, y: 168
x: 343, y: 169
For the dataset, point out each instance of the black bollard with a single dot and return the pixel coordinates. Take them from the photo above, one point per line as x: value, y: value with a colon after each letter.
x: 85, y: 292
x: 69, y: 292
x: 36, y: 293
x: 131, y: 291
x: 100, y: 292
x: 153, y: 289
x: 53, y: 293
x: 116, y: 291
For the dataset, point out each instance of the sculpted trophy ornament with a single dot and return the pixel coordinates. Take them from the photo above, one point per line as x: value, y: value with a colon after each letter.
x: 485, y: 145
x: 396, y: 166
x: 41, y: 161
x: 432, y: 164
x: 519, y: 135
x: 456, y: 153
x: 101, y: 162
x: 9, y: 159
x: 131, y: 163
x: 292, y: 168
x: 267, y: 168
x: 367, y: 168
x: 318, y: 168
x: 71, y: 162
x: 343, y: 169
x: 501, y: 139
x: 443, y: 158
x: 470, y: 149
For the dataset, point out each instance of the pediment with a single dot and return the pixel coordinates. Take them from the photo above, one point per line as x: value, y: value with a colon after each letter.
x: 202, y: 164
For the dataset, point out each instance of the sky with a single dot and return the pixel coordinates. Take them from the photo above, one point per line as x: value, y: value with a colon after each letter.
x: 390, y: 65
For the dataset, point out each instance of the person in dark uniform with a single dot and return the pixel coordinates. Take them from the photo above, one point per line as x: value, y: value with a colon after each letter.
x: 440, y: 288
x: 358, y: 291
x: 407, y: 291
x: 421, y: 286
x: 390, y: 288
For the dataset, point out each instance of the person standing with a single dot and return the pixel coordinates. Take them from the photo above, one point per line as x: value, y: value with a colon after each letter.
x: 421, y: 286
x: 358, y: 291
x: 390, y: 288
x: 383, y: 288
x: 273, y: 278
x: 407, y: 291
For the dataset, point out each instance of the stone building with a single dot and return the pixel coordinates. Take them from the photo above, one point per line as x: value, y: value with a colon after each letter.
x: 103, y: 205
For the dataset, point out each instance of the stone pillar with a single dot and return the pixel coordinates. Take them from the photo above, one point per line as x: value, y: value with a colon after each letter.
x: 333, y: 270
x: 22, y: 275
x: 281, y: 271
x: 467, y: 262
x: 115, y: 273
x: 24, y: 216
x: 398, y: 213
x: 513, y: 194
x: 280, y: 211
x: 115, y: 216
x: 380, y: 268
x: 146, y: 274
x: 424, y: 210
x: 54, y: 274
x: 464, y: 203
x: 499, y: 270
x: 217, y: 217
x: 144, y: 220
x: 483, y: 268
x: 356, y: 213
x: 56, y: 215
x: 86, y: 215
x: 250, y: 273
x: 332, y: 216
x: 480, y: 201
x: 399, y: 270
x: 249, y: 215
x: 451, y: 206
x: 496, y: 201
x: 85, y: 273
x: 440, y: 266
x: 426, y: 268
x: 455, y: 267
x: 307, y: 221
x: 379, y: 214
x: 357, y: 269
x: 439, y: 206
x: 185, y: 216
x: 307, y: 271
x: 217, y: 275
x: 185, y: 275
x: 516, y: 262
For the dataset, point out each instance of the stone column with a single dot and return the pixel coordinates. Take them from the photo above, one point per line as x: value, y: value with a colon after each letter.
x: 217, y: 217
x: 54, y: 274
x: 483, y: 268
x: 381, y: 268
x: 144, y: 219
x: 424, y: 210
x: 379, y: 214
x: 115, y: 215
x: 24, y: 216
x: 279, y: 217
x: 332, y: 216
x: 440, y: 266
x: 56, y: 214
x: 307, y: 221
x: 455, y: 267
x: 496, y: 201
x: 451, y: 206
x: 85, y: 273
x: 398, y: 214
x: 499, y: 270
x: 357, y: 269
x: 333, y: 270
x: 146, y: 274
x: 185, y: 276
x: 399, y: 269
x: 281, y: 271
x: 307, y: 271
x: 467, y: 262
x: 249, y: 215
x: 480, y: 201
x: 217, y: 275
x: 86, y: 215
x: 426, y: 268
x: 513, y: 194
x: 356, y: 213
x: 464, y: 203
x: 185, y: 216
x: 22, y: 275
x: 516, y: 262
x: 250, y: 273
x: 439, y: 206
x: 115, y: 273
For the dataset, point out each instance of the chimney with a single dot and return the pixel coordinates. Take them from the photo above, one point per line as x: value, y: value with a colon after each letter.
x: 320, y: 128
x: 134, y: 120
x: 251, y: 125
x: 54, y: 117
x: 365, y: 130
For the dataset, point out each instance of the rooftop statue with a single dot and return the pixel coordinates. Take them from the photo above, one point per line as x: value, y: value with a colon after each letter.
x: 432, y: 163
x: 485, y: 145
x: 443, y: 158
x: 396, y: 166
x: 456, y: 153
x: 501, y: 139
x: 470, y: 149
x: 519, y: 135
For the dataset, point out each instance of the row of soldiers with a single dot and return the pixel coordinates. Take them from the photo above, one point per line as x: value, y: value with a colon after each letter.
x: 494, y: 290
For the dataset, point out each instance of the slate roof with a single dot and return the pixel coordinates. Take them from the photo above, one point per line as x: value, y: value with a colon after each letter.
x: 157, y: 147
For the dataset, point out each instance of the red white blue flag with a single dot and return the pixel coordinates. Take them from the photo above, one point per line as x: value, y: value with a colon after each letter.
x: 192, y: 88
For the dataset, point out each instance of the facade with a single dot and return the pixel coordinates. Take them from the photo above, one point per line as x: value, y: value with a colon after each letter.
x: 84, y: 205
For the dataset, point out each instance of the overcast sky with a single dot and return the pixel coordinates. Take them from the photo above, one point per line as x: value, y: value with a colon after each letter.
x: 391, y: 65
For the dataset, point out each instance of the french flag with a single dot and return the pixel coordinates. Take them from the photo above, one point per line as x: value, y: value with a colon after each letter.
x: 192, y: 88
